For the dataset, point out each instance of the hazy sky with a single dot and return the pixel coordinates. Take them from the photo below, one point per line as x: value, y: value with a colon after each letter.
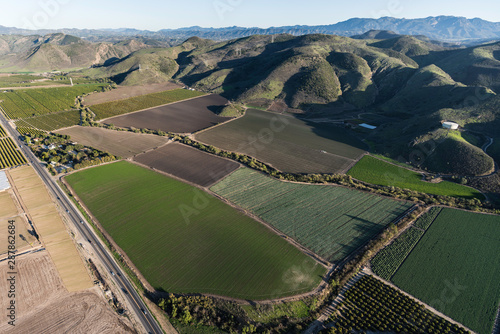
x: 157, y: 14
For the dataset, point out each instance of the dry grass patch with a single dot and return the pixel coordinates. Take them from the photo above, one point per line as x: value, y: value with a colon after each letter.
x: 7, y: 207
x: 51, y: 228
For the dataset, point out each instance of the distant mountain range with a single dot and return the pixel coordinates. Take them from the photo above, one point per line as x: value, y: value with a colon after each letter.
x: 444, y: 28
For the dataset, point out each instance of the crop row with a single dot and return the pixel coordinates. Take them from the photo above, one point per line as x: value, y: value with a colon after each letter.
x: 388, y: 260
x: 331, y: 221
x: 2, y: 132
x: 25, y: 103
x: 125, y: 106
x: 371, y: 305
x: 51, y: 122
x: 9, y: 154
x: 29, y: 130
x: 427, y: 218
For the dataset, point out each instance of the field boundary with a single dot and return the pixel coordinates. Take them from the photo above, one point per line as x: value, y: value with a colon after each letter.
x: 162, y: 105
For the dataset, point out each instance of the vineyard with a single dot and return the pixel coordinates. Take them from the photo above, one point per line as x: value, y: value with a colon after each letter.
x: 389, y: 259
x: 371, y: 305
x: 120, y: 107
x: 26, y: 103
x: 331, y: 221
x: 2, y: 132
x: 10, y: 156
x: 31, y: 131
x: 52, y: 121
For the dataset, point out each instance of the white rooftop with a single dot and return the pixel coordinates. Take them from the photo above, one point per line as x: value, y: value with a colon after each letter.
x: 368, y: 126
x: 4, y: 182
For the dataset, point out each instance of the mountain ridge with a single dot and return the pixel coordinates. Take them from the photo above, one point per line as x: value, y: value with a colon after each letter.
x: 444, y: 28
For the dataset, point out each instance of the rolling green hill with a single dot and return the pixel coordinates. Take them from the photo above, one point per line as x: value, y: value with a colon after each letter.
x: 58, y: 52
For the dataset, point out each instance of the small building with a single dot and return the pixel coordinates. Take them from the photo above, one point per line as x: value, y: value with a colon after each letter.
x: 51, y: 147
x: 450, y: 125
x: 4, y: 182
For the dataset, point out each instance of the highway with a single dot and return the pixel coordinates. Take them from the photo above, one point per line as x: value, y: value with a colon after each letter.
x: 74, y: 215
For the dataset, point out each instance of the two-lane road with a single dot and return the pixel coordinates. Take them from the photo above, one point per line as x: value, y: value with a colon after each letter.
x: 74, y: 215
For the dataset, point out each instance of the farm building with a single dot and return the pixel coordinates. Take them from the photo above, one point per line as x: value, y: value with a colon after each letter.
x: 4, y: 182
x: 450, y: 125
x: 368, y: 126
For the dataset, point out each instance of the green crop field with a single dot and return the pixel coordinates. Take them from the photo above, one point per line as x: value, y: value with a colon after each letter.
x: 454, y: 268
x: 376, y: 171
x: 389, y: 259
x: 331, y: 221
x: 10, y: 155
x: 51, y: 122
x: 186, y: 241
x: 287, y: 143
x: 26, y: 103
x: 120, y: 107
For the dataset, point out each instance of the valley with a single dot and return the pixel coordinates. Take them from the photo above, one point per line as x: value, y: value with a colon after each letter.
x: 263, y: 184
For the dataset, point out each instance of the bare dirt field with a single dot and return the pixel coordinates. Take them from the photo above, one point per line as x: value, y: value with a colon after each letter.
x: 23, y: 237
x: 7, y: 206
x: 182, y: 117
x: 9, y: 212
x: 125, y: 92
x: 36, y: 201
x: 188, y: 163
x: 44, y: 306
x: 120, y: 143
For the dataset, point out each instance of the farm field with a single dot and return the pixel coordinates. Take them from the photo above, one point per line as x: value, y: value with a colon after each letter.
x: 2, y: 132
x: 287, y: 143
x: 34, y: 102
x: 23, y: 80
x: 376, y: 171
x: 43, y: 304
x: 389, y: 259
x: 454, y: 268
x: 188, y: 163
x: 331, y: 221
x: 119, y: 143
x: 29, y: 130
x: 8, y: 211
x: 184, y: 240
x: 50, y: 227
x: 10, y: 155
x: 371, y: 305
x: 51, y: 122
x: 120, y: 107
x: 125, y: 92
x: 182, y: 117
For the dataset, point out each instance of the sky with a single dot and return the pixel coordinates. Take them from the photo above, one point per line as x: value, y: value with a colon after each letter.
x: 157, y: 14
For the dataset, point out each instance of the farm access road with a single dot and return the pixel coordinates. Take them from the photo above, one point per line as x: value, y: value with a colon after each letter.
x: 139, y: 309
